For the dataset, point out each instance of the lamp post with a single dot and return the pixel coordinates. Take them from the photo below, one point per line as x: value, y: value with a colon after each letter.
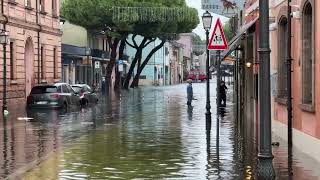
x: 207, y: 21
x: 265, y: 166
x: 4, y: 40
x: 88, y: 53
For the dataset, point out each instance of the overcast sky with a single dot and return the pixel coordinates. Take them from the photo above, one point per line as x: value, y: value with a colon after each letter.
x: 199, y: 30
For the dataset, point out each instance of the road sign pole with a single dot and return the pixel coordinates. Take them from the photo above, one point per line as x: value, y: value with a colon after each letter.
x: 218, y: 91
x: 218, y: 42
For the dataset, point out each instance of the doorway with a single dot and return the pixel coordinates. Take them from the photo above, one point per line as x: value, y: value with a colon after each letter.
x: 29, y: 60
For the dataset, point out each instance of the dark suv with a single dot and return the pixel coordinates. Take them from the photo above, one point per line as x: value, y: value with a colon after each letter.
x: 59, y: 95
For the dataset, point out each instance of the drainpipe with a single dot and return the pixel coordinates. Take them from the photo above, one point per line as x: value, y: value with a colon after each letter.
x: 37, y: 19
x: 4, y: 62
x: 289, y: 90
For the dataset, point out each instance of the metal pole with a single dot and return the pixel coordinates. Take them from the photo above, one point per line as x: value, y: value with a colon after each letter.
x: 236, y: 84
x: 208, y: 107
x: 218, y: 81
x: 218, y: 91
x: 289, y: 107
x: 265, y: 166
x: 4, y: 78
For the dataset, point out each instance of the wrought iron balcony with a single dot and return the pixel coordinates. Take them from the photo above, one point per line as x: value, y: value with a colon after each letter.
x: 100, y: 54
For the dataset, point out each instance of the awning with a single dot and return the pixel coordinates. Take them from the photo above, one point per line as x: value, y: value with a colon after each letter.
x: 235, y: 41
x: 100, y: 59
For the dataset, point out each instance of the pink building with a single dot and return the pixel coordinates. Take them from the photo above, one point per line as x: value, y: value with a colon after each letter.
x: 34, y: 52
x: 305, y: 78
x: 186, y: 40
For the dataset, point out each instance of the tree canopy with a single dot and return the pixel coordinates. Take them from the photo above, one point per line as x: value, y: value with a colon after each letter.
x: 150, y: 19
x: 126, y: 16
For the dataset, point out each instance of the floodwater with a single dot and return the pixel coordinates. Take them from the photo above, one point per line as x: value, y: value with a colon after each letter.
x: 146, y: 133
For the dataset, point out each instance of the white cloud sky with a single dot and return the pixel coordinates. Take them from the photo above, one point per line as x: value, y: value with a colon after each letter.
x: 199, y: 29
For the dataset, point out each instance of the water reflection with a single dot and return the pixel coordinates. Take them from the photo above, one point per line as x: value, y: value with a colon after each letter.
x: 144, y: 134
x: 5, y: 149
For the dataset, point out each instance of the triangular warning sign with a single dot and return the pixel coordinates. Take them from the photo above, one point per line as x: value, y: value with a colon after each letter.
x: 218, y: 40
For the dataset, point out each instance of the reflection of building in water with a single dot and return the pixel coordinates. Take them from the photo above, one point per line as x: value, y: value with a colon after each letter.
x: 25, y: 143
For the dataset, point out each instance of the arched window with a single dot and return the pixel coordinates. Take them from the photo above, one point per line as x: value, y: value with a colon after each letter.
x: 282, y: 57
x: 307, y: 55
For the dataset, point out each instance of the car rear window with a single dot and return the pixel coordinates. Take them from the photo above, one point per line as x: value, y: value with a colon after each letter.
x: 76, y: 88
x: 44, y: 90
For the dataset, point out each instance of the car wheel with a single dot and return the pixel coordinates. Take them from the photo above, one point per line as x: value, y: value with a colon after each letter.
x: 65, y: 106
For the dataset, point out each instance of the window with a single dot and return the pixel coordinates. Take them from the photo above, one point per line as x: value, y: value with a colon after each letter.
x: 88, y: 89
x: 54, y: 8
x: 12, y: 62
x: 43, y: 63
x: 55, y: 63
x: 103, y: 44
x: 282, y: 58
x: 307, y: 55
x: 27, y: 3
x: 65, y: 89
x: 59, y: 89
x: 70, y: 90
x: 42, y: 5
x: 44, y: 89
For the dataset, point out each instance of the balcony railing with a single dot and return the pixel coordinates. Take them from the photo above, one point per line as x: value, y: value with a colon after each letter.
x: 100, y: 54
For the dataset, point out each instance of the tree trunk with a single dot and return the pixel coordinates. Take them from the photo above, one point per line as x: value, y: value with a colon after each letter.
x: 118, y: 82
x: 131, y: 69
x: 111, y: 64
x: 135, y: 82
x: 137, y: 58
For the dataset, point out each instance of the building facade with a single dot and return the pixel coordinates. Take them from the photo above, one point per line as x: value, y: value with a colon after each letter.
x: 305, y: 79
x: 154, y: 71
x: 176, y: 62
x: 34, y: 51
x: 186, y: 40
x: 84, y: 56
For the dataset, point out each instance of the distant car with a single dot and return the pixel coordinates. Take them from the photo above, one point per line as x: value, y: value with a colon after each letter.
x: 202, y: 77
x: 87, y: 95
x: 196, y: 76
x: 59, y: 95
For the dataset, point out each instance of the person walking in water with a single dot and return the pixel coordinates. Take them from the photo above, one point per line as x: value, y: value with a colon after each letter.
x: 223, y: 94
x: 189, y: 92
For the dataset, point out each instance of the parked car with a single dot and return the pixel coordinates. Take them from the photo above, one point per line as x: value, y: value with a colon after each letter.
x: 59, y: 95
x: 196, y: 76
x: 86, y: 93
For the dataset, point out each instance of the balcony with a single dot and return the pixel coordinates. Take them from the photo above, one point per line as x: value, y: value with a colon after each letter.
x: 100, y: 55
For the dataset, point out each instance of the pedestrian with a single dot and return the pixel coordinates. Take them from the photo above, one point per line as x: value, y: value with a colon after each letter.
x: 223, y: 93
x: 189, y: 92
x: 179, y: 78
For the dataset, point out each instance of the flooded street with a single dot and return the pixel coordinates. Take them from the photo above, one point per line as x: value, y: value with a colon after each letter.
x: 145, y: 133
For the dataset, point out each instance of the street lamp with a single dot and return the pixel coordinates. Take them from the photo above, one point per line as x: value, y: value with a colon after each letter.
x: 4, y: 40
x: 207, y: 21
x: 88, y: 53
x: 248, y: 64
x: 265, y: 166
